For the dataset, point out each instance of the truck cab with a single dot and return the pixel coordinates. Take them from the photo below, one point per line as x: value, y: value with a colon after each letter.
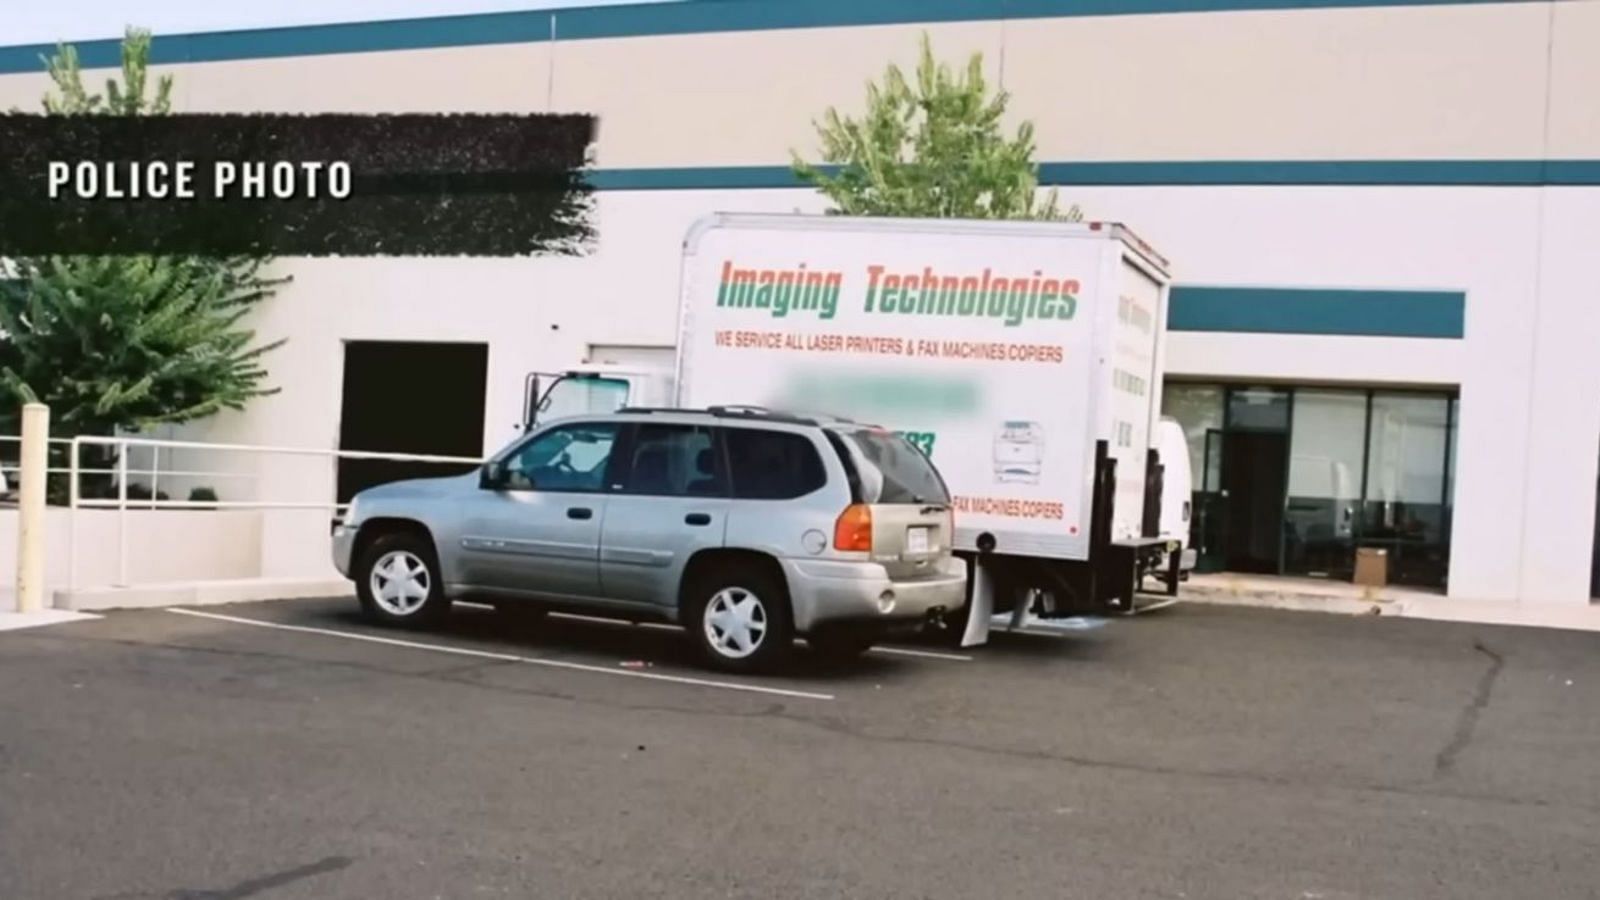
x: 593, y: 389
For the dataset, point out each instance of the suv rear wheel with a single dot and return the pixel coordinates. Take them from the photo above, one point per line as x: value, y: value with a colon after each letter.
x: 739, y: 618
x: 398, y: 581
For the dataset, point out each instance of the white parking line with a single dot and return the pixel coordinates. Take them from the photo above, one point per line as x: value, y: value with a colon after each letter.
x: 924, y: 654
x: 898, y: 651
x: 509, y: 657
x: 621, y: 622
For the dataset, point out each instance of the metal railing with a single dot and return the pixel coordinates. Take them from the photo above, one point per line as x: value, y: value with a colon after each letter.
x: 10, y: 469
x: 123, y: 471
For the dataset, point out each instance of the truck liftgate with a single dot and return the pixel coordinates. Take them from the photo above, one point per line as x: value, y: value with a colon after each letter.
x: 1107, y: 583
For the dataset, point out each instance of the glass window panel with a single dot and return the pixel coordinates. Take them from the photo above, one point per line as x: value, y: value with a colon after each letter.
x: 675, y: 461
x: 1258, y: 409
x: 1404, y: 509
x: 1450, y: 468
x: 1326, y: 446
x: 773, y: 465
x: 1198, y: 408
x: 573, y: 458
x: 1408, y: 446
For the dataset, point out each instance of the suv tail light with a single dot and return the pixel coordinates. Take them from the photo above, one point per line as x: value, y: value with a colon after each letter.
x: 852, y: 533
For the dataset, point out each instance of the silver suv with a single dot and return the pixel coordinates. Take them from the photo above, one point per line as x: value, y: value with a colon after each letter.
x: 745, y: 526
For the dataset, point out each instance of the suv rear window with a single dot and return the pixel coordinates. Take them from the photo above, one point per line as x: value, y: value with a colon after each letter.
x: 773, y: 465
x: 893, y: 471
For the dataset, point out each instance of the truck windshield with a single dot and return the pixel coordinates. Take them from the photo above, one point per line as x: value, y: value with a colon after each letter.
x: 577, y: 395
x: 893, y: 471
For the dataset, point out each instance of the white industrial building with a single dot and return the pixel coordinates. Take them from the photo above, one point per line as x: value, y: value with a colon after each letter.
x: 1382, y: 218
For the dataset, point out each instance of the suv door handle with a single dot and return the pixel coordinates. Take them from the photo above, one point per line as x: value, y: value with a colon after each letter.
x: 697, y: 519
x: 580, y: 512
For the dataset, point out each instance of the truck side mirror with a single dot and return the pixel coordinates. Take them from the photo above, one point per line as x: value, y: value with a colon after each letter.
x: 530, y: 400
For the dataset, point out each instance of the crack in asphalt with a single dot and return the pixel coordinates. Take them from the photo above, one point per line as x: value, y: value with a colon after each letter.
x: 253, y: 886
x: 247, y: 888
x: 1467, y: 722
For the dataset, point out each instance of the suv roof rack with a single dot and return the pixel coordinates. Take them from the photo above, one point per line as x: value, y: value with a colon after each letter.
x: 729, y: 412
x: 759, y: 412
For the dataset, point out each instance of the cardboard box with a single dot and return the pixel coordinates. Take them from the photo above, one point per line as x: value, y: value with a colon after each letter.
x: 1372, y: 566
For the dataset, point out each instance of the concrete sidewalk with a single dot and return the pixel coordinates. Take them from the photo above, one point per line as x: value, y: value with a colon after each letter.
x: 1321, y: 595
x: 12, y: 621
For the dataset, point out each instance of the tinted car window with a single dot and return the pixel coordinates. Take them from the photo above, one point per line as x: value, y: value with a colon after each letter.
x: 773, y: 465
x: 675, y: 461
x: 570, y: 458
x: 893, y: 471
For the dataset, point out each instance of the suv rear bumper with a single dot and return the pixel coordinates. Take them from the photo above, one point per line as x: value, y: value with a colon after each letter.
x: 830, y: 591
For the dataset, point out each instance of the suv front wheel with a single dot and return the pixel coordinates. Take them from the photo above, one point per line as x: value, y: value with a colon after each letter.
x: 398, y: 581
x: 740, y: 619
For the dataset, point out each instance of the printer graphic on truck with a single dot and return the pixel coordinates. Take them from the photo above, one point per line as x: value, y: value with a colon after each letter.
x: 1019, y: 452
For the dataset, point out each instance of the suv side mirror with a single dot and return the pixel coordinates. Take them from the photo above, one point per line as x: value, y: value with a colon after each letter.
x: 492, y: 477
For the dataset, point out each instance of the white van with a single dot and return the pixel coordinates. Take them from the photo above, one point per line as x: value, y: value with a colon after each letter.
x: 1177, y: 498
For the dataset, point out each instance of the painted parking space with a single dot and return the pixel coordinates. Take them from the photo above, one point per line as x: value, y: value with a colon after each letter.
x: 888, y: 649
x: 576, y: 654
x: 437, y: 647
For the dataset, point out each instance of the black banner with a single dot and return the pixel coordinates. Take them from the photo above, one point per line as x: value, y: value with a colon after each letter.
x: 288, y: 185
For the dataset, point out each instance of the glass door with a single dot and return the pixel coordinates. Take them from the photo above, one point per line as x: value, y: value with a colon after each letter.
x: 1210, y: 533
x: 1255, y: 470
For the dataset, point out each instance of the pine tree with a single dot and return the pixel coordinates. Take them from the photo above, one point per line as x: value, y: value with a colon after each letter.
x: 119, y: 343
x: 931, y: 148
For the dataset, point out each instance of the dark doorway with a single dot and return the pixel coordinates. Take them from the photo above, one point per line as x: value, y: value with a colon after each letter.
x: 1209, y: 533
x: 402, y: 397
x: 1255, y: 465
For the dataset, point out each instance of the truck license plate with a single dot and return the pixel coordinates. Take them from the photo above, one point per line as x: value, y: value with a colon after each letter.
x: 916, y: 540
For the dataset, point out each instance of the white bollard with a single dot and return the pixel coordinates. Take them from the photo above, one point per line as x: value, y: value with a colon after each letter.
x: 30, y: 507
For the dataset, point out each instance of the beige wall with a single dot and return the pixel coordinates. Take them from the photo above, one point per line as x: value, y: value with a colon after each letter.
x: 1575, y: 82
x: 1425, y: 82
x: 493, y: 78
x: 738, y: 98
x: 1373, y: 83
x: 22, y: 92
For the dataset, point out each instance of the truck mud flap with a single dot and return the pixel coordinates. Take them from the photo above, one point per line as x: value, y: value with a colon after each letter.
x: 981, y: 604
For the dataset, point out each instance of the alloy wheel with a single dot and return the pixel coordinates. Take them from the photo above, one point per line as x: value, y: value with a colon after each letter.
x: 735, y: 622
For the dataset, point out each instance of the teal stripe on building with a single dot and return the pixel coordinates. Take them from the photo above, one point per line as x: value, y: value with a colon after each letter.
x: 1355, y: 172
x: 1317, y: 311
x: 704, y: 16
x: 641, y: 20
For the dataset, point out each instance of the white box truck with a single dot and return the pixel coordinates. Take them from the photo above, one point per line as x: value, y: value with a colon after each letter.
x: 1024, y: 357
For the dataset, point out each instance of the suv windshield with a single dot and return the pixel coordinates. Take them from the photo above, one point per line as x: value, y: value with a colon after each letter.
x: 893, y: 471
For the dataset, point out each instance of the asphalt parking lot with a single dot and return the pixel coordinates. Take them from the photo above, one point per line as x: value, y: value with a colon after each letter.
x: 288, y: 750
